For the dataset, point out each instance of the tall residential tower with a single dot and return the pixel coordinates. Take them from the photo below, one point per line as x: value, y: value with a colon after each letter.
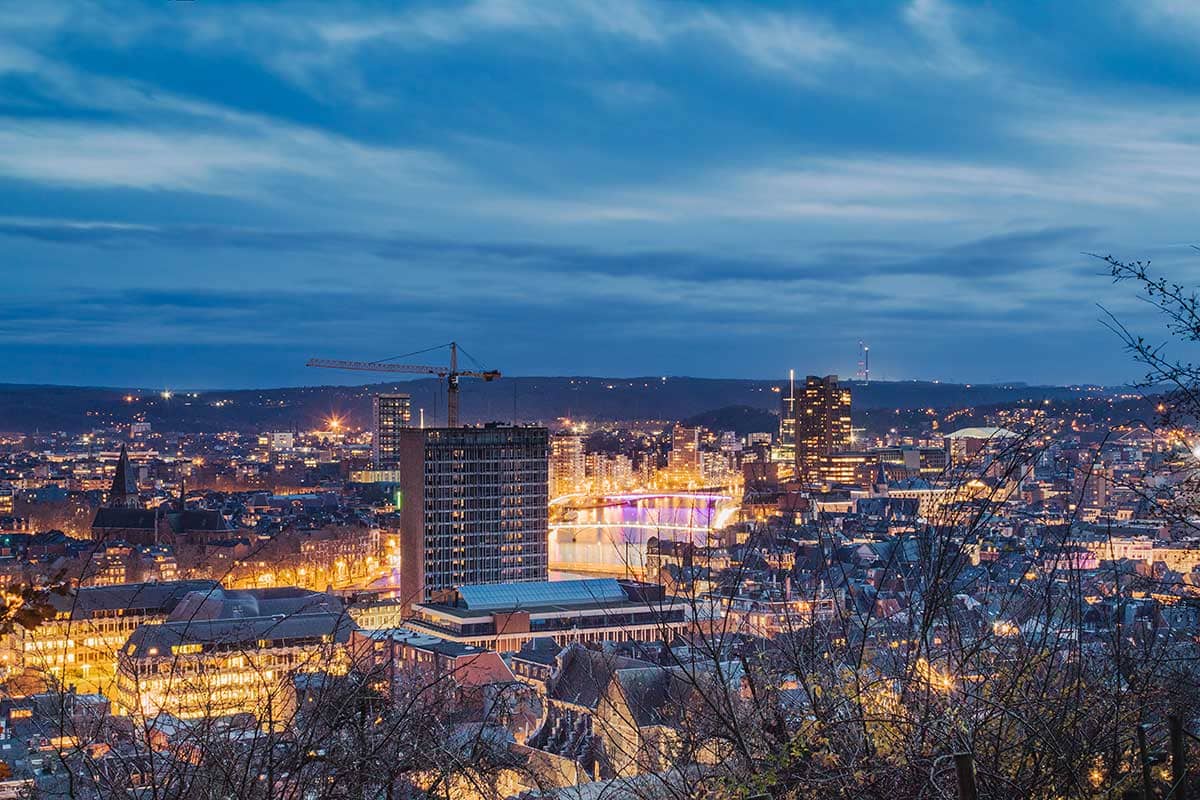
x: 474, y: 507
x: 568, y: 462
x: 683, y: 462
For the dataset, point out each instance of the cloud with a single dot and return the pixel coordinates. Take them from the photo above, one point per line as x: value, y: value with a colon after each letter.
x: 1003, y: 253
x: 769, y: 39
x: 628, y: 94
x: 232, y: 160
x: 1168, y: 18
x: 1060, y: 151
x: 376, y: 288
x: 313, y: 47
x: 730, y: 176
x: 453, y: 23
x: 938, y: 23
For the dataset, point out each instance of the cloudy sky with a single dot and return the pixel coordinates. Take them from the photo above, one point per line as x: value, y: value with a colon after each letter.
x: 203, y: 194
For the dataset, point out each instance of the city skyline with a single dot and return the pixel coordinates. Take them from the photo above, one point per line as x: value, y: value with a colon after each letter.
x: 205, y: 196
x: 576, y: 399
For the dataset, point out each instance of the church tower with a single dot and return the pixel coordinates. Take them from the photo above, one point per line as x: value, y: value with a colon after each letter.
x: 124, y: 491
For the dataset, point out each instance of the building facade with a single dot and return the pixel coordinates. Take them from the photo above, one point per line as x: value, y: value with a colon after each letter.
x: 683, y: 462
x: 390, y: 414
x: 860, y: 467
x: 822, y: 423
x: 474, y: 505
x: 80, y: 642
x: 219, y: 667
x: 568, y: 464
x: 785, y: 444
x: 504, y: 618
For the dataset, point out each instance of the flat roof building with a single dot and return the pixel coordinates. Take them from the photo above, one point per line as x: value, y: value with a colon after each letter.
x: 822, y: 424
x: 390, y: 414
x: 474, y: 507
x: 504, y: 617
x: 567, y: 463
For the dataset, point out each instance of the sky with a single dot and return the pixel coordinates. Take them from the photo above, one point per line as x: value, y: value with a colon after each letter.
x: 204, y: 194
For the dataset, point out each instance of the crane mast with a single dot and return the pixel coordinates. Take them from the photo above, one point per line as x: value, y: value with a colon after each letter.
x: 452, y: 388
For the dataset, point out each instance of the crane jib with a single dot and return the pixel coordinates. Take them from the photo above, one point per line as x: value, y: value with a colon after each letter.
x: 451, y: 374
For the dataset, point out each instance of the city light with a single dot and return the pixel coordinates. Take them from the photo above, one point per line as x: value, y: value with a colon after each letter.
x: 662, y: 510
x: 937, y: 679
x: 885, y: 586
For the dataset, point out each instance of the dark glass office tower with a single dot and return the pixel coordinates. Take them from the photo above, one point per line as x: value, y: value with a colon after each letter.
x: 822, y: 425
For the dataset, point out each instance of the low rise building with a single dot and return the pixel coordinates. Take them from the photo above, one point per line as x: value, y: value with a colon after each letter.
x: 220, y: 667
x: 773, y: 616
x: 503, y: 617
x: 79, y: 643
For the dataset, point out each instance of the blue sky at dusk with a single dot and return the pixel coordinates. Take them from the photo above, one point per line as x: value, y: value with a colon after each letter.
x: 203, y: 194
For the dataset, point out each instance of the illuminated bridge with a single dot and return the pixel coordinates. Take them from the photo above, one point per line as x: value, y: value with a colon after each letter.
x: 608, y: 534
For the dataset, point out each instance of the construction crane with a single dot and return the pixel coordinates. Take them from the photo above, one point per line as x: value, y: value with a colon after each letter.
x: 451, y: 373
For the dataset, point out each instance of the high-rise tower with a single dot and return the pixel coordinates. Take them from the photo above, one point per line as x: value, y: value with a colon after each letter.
x: 474, y: 507
x: 785, y: 446
x: 390, y: 414
x: 567, y: 463
x: 683, y: 462
x: 822, y: 420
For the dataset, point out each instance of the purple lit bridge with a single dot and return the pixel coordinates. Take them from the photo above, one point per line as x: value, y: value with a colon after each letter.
x: 608, y: 535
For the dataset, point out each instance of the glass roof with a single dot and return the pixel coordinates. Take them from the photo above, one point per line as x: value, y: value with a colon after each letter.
x: 542, y: 593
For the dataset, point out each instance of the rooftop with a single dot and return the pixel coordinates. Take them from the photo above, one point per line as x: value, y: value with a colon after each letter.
x: 504, y: 596
x: 153, y: 640
x: 131, y: 597
x: 982, y: 433
x: 221, y: 603
x: 548, y: 596
x: 424, y: 641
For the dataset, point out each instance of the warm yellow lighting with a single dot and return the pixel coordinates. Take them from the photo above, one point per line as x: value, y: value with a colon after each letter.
x: 1004, y: 628
x: 938, y: 680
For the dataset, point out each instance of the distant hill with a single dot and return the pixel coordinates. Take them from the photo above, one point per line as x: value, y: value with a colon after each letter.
x: 740, y: 419
x: 26, y: 408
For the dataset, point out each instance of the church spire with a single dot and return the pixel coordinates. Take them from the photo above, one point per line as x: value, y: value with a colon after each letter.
x: 881, y: 479
x: 124, y: 491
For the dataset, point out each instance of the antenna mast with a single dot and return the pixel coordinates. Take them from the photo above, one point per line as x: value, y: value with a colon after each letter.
x: 864, y: 362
